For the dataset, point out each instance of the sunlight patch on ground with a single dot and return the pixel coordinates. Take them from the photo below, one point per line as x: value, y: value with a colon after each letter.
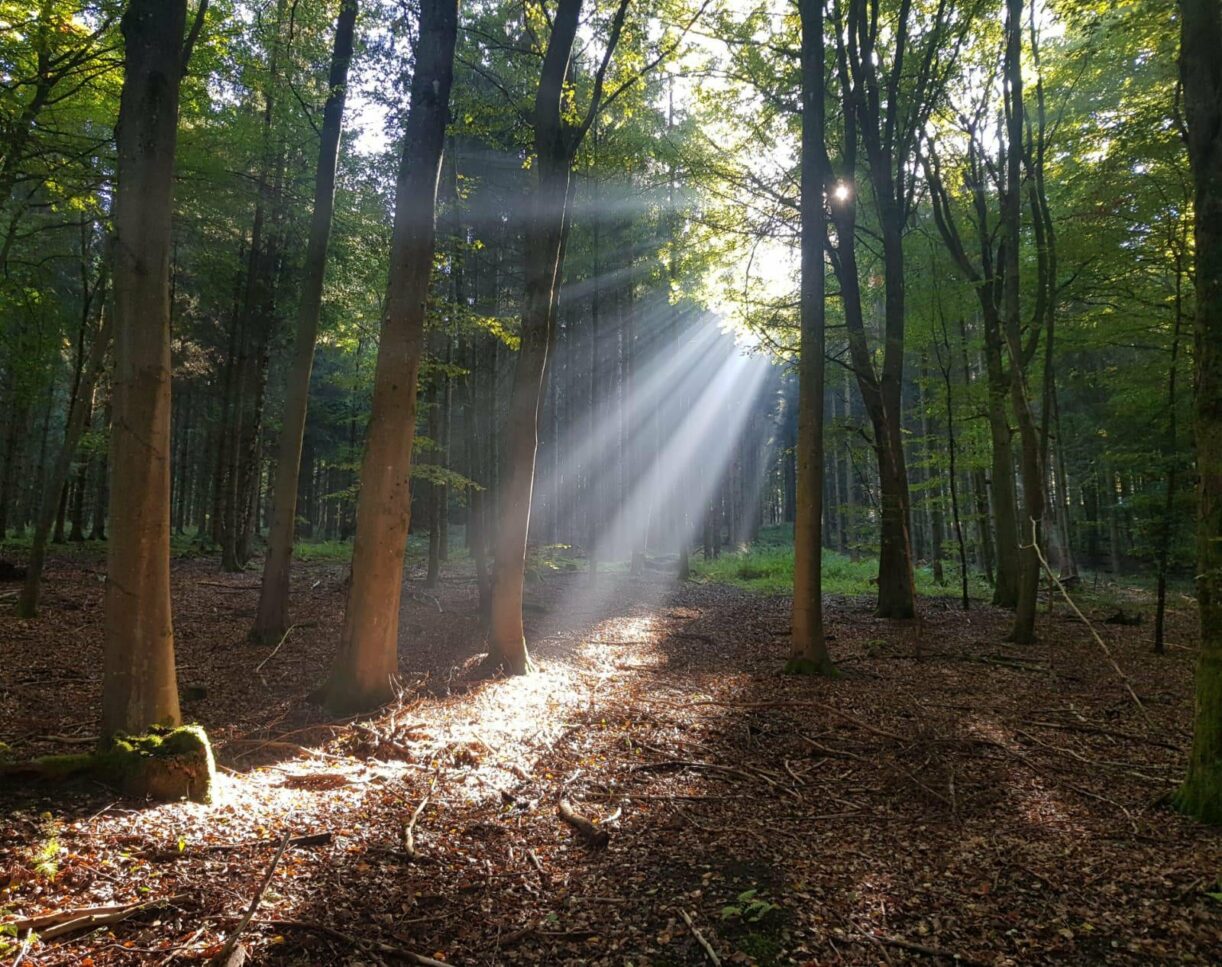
x: 617, y: 637
x: 1038, y: 805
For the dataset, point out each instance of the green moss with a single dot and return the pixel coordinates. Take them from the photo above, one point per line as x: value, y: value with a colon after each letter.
x: 1201, y: 796
x: 763, y: 947
x: 162, y: 764
x: 64, y: 766
x: 808, y: 666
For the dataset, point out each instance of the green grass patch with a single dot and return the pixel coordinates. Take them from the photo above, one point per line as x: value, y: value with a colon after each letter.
x: 329, y: 552
x: 767, y: 567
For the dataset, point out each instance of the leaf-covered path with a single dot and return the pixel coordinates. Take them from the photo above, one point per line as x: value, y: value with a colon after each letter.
x: 946, y: 796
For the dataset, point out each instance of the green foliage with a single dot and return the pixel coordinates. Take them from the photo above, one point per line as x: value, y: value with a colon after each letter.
x: 768, y: 568
x: 749, y: 907
x: 315, y: 552
x: 44, y: 855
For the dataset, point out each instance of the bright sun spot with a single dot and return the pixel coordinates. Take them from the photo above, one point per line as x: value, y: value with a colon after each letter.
x: 841, y: 191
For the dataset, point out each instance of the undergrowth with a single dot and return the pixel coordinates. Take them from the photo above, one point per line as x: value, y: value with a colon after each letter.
x: 767, y: 567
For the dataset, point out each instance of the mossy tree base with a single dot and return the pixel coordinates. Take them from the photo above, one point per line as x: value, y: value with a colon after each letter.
x: 164, y: 765
x: 1201, y: 797
x: 342, y: 694
x: 799, y: 665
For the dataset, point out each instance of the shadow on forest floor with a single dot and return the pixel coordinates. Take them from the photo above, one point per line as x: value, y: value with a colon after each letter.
x: 945, y: 795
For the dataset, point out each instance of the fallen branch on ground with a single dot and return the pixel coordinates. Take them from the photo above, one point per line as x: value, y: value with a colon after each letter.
x: 283, y: 639
x: 807, y: 703
x: 708, y: 947
x: 409, y: 831
x: 1114, y: 733
x: 924, y: 949
x: 1102, y: 644
x: 593, y: 834
x: 48, y: 926
x: 376, y: 946
x: 228, y: 950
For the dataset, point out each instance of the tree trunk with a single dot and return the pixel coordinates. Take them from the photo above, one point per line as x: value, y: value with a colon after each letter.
x: 1201, y: 74
x: 139, y: 688
x: 271, y: 619
x: 1023, y: 631
x: 101, y: 484
x: 555, y: 144
x: 1166, y: 532
x: 808, y: 646
x: 27, y: 605
x: 365, y: 668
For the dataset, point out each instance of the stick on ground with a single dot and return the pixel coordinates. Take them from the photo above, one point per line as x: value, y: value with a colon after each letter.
x: 409, y: 831
x: 594, y: 835
x: 708, y: 947
x: 227, y: 951
x: 48, y: 926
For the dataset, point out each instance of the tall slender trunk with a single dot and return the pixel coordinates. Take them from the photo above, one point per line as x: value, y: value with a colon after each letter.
x: 1002, y: 491
x: 1201, y: 74
x: 1023, y: 631
x: 364, y: 670
x: 933, y: 481
x: 952, y: 453
x: 546, y: 225
x: 556, y: 141
x: 101, y: 484
x: 139, y: 688
x: 271, y: 619
x: 808, y: 645
x: 1166, y: 532
x: 27, y: 605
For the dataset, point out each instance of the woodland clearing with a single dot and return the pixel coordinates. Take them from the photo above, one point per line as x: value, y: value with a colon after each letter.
x: 945, y: 796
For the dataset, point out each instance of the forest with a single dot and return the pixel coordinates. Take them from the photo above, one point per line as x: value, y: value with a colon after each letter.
x: 614, y: 482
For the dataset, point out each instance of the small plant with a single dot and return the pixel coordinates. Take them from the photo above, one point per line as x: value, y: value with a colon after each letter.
x: 44, y: 858
x: 750, y: 907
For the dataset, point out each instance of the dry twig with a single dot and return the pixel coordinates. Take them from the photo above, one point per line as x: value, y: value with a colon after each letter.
x: 700, y: 938
x: 228, y: 950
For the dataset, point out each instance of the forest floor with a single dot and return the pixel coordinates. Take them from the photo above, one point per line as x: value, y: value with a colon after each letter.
x: 946, y: 799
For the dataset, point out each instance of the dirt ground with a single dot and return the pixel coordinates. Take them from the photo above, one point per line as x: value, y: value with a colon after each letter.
x: 946, y: 799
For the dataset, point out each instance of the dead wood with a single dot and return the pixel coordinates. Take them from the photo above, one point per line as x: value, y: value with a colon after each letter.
x: 1113, y: 733
x: 229, y: 950
x: 928, y: 951
x: 409, y: 831
x: 708, y: 947
x: 48, y: 926
x: 373, y: 946
x: 809, y: 703
x: 593, y: 834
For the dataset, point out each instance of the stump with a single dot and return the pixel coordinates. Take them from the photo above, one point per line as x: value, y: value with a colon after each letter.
x: 163, y: 764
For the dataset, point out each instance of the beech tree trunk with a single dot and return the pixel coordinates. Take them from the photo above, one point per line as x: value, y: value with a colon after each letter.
x: 271, y: 619
x: 1201, y: 73
x: 364, y: 670
x: 808, y: 646
x: 1166, y: 530
x: 139, y: 688
x: 1029, y: 529
x: 556, y: 140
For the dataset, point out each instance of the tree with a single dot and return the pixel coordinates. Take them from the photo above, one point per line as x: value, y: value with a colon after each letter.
x: 139, y: 688
x: 364, y: 670
x: 556, y: 138
x: 892, y: 73
x: 1023, y: 631
x: 78, y: 416
x: 272, y: 617
x: 1201, y: 75
x: 808, y: 648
